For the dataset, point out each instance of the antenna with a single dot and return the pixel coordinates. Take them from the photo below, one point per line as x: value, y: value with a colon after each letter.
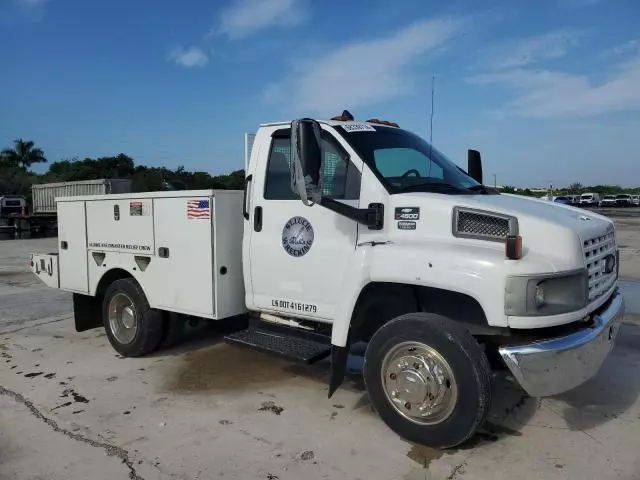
x: 433, y: 87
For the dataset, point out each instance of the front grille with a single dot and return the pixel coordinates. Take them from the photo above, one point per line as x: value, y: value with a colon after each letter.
x: 595, y: 252
x: 476, y: 224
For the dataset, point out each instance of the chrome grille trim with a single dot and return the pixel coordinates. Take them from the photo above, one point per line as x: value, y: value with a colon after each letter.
x: 595, y: 250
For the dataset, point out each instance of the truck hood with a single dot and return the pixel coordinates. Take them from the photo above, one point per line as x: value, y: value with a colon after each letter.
x: 554, y: 231
x: 584, y: 222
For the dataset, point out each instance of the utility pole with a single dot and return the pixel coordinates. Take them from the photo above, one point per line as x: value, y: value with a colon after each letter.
x: 495, y: 183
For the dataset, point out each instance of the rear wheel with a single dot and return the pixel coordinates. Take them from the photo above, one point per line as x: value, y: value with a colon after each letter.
x: 133, y: 328
x: 428, y: 379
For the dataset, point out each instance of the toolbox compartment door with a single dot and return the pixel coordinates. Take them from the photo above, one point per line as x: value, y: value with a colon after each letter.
x: 72, y: 246
x: 180, y: 276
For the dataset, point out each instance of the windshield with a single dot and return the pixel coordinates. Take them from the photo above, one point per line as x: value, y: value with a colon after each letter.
x: 609, y: 197
x: 405, y: 162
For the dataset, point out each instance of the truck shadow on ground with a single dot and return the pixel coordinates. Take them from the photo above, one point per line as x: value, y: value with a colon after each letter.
x: 210, y: 365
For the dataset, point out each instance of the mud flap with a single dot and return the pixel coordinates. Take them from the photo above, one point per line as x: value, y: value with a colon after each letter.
x: 339, y: 356
x: 87, y: 312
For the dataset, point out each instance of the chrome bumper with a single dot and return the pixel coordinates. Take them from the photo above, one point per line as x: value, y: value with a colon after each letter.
x: 554, y: 366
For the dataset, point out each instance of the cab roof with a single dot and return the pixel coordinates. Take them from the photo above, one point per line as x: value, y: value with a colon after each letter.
x: 345, y: 119
x: 333, y: 123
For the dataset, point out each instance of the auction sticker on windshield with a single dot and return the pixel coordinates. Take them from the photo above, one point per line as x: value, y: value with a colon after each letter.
x: 357, y: 127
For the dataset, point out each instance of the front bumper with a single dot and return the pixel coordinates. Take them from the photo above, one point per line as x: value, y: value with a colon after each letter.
x: 553, y: 366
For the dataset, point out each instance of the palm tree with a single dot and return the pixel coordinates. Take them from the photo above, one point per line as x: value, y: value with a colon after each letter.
x: 22, y: 155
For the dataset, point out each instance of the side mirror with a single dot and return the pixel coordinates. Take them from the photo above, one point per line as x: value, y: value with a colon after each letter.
x: 474, y: 165
x: 306, y: 158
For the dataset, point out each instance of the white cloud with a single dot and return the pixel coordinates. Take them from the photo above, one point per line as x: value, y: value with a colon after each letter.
x: 33, y: 3
x: 632, y: 47
x: 362, y: 73
x: 549, y: 94
x: 244, y: 17
x: 189, y: 57
x: 526, y: 51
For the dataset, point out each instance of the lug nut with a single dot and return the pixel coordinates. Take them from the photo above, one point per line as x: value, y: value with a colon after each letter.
x: 407, y: 406
x: 416, y: 365
x: 392, y: 376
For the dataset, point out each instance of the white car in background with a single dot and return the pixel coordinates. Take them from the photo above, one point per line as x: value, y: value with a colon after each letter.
x: 608, y: 201
x: 623, y: 200
x: 591, y: 199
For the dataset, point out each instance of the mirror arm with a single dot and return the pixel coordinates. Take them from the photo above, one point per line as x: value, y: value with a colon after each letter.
x: 373, y: 217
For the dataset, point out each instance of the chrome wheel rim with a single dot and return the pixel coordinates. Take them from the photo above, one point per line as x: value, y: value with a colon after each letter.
x: 419, y: 383
x: 123, y: 320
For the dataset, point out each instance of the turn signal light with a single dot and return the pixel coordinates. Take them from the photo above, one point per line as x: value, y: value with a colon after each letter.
x: 513, y: 247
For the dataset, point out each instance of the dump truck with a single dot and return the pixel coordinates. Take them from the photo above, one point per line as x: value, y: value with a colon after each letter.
x: 44, y: 194
x: 356, y: 232
x: 42, y: 217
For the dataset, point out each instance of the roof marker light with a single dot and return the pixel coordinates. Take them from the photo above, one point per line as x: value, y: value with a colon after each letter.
x: 382, y: 122
x: 345, y: 117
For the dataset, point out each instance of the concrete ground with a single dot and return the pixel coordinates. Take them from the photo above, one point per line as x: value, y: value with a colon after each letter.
x: 71, y: 408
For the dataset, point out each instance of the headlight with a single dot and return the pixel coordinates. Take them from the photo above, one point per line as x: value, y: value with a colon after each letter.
x: 547, y: 294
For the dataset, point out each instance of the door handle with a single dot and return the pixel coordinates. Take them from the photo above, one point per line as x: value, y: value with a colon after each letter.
x: 257, y: 219
x: 245, y: 212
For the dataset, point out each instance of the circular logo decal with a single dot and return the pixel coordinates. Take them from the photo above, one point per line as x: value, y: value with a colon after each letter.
x: 297, y: 236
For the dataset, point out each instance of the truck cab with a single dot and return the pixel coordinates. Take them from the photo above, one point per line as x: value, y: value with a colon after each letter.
x: 358, y: 231
x: 427, y: 239
x: 12, y: 205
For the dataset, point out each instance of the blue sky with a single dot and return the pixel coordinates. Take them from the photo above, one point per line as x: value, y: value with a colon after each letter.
x: 548, y: 91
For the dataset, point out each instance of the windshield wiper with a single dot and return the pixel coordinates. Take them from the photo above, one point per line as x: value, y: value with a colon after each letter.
x: 431, y: 186
x: 478, y: 188
x: 483, y: 189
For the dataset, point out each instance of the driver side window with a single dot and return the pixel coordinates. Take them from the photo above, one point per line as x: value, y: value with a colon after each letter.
x: 340, y: 177
x: 395, y: 162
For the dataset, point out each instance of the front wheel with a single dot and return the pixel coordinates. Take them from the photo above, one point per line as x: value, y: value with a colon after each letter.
x: 428, y: 379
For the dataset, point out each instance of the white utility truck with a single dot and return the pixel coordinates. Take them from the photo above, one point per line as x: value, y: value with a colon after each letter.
x: 351, y: 231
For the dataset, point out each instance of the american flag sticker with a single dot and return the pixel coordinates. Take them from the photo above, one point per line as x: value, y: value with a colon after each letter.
x: 198, y: 209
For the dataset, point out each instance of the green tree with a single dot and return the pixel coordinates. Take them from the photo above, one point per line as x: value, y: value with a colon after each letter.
x: 22, y: 155
x: 575, y: 188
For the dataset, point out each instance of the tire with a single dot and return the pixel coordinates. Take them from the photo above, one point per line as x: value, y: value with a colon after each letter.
x: 456, y: 352
x: 147, y: 334
x: 174, y: 327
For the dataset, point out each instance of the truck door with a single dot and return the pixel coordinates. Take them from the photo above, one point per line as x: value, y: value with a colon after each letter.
x: 299, y: 254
